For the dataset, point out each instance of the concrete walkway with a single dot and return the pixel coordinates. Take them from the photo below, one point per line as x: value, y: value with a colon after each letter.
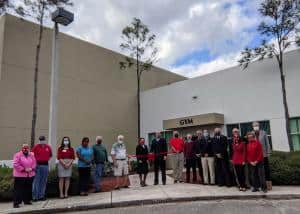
x: 149, y: 195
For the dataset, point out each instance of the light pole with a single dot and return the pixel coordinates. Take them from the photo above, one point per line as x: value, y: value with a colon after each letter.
x: 60, y: 16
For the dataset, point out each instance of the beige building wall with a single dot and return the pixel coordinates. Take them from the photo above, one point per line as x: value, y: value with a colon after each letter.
x: 95, y: 97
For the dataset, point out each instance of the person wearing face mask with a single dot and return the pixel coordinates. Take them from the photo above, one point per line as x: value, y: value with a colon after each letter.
x: 100, y: 158
x: 189, y: 155
x: 65, y: 157
x: 121, y: 162
x: 24, y: 166
x: 262, y: 137
x: 177, y: 146
x: 207, y: 159
x: 238, y: 158
x: 255, y: 159
x: 42, y: 153
x: 198, y: 150
x: 85, y: 159
x: 141, y: 153
x: 220, y: 149
x: 160, y: 150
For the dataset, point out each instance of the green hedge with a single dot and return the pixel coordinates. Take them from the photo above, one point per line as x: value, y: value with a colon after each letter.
x: 285, y: 168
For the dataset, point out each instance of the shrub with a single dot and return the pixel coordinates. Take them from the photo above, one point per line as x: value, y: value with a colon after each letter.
x: 285, y: 168
x: 6, y: 183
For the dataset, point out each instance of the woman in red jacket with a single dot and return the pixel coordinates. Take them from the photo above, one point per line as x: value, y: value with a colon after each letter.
x: 238, y: 158
x: 255, y: 159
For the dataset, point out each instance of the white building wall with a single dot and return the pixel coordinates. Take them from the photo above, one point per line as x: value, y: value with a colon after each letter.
x: 241, y: 95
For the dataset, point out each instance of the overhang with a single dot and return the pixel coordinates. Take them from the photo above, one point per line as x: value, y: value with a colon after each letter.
x: 198, y: 120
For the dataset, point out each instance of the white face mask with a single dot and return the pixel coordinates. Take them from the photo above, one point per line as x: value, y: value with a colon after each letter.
x: 256, y: 128
x: 66, y: 142
x: 120, y: 141
x: 42, y: 142
x: 205, y: 134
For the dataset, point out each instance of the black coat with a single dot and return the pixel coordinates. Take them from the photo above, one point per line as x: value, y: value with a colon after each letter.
x: 206, y: 147
x: 220, y: 146
x: 141, y: 153
x: 159, y: 148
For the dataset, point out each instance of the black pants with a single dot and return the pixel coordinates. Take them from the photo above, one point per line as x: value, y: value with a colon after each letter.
x: 267, y: 169
x: 257, y: 174
x: 159, y: 163
x: 240, y: 174
x: 190, y: 163
x: 222, y: 172
x: 84, y: 174
x: 22, y: 190
x: 199, y: 164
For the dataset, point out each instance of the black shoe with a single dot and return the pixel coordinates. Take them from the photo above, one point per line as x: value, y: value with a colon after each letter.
x: 28, y: 203
x: 164, y: 183
x: 175, y: 181
x: 35, y: 200
x: 16, y: 206
x: 264, y: 190
x: 155, y: 183
x: 43, y: 199
x: 254, y: 190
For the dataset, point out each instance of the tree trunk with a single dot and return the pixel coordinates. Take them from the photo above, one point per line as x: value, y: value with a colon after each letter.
x: 286, y: 109
x: 35, y: 83
x: 138, y: 97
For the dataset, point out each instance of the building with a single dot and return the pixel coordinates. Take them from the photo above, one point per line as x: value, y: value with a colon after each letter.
x: 95, y: 97
x: 229, y: 98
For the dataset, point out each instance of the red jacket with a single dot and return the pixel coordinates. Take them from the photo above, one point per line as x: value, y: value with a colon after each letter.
x: 254, y: 151
x: 238, y: 153
x: 42, y: 153
x: 177, y: 144
x: 189, y: 150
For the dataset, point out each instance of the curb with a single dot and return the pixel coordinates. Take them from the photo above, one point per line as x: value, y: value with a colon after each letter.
x: 158, y: 201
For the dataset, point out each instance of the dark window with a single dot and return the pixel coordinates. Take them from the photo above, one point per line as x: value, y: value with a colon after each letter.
x: 295, y: 132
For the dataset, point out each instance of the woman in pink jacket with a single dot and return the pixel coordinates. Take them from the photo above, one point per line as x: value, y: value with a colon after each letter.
x: 24, y: 165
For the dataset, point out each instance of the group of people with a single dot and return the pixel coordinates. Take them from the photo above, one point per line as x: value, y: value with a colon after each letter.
x: 212, y: 156
x: 222, y: 161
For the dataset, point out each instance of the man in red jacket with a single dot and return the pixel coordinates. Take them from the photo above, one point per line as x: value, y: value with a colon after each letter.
x: 177, y: 146
x: 42, y: 153
x: 255, y: 159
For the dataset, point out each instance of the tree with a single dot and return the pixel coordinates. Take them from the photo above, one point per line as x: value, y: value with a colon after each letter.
x: 139, y: 44
x: 282, y: 29
x: 9, y: 5
x: 40, y: 10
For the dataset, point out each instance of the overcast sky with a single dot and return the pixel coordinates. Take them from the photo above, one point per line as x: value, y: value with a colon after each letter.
x: 194, y: 37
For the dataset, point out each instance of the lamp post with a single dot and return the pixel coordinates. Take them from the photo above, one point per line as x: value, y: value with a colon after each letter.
x: 60, y: 16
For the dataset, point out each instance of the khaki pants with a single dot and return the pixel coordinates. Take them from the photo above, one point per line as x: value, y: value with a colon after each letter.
x: 208, y: 165
x: 178, y: 162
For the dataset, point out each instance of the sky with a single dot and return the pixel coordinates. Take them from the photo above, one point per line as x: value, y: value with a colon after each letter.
x: 194, y: 37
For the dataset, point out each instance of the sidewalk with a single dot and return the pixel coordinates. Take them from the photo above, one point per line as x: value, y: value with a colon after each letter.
x: 149, y: 195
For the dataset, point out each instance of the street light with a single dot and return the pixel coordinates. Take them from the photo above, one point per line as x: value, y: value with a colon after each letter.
x: 63, y: 17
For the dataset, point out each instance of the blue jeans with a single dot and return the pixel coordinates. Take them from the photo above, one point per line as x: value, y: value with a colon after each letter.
x: 40, y: 182
x: 98, y: 175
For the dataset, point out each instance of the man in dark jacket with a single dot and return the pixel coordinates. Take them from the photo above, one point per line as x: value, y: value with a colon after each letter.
x: 198, y: 150
x: 207, y: 159
x: 160, y: 150
x: 189, y: 155
x: 220, y: 149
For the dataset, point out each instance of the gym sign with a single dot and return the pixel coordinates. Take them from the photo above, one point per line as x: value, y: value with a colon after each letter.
x: 198, y: 120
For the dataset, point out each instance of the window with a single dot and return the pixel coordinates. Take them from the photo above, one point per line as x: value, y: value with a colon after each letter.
x: 245, y: 127
x: 295, y: 132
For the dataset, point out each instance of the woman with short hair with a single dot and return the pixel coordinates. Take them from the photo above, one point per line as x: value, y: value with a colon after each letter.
x: 142, y: 159
x: 238, y: 158
x: 85, y: 158
x: 255, y: 159
x: 24, y: 165
x: 65, y: 157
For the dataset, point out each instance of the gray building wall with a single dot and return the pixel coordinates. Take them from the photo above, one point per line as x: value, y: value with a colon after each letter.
x: 95, y: 97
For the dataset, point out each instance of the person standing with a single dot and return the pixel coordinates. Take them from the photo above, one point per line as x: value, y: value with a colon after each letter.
x: 65, y: 157
x: 141, y: 153
x: 220, y: 149
x: 198, y: 150
x: 207, y: 159
x: 262, y: 137
x: 255, y: 159
x: 100, y: 158
x: 160, y: 150
x: 121, y: 162
x: 238, y: 158
x: 42, y: 153
x: 24, y: 166
x: 177, y: 146
x: 189, y: 155
x: 85, y: 159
